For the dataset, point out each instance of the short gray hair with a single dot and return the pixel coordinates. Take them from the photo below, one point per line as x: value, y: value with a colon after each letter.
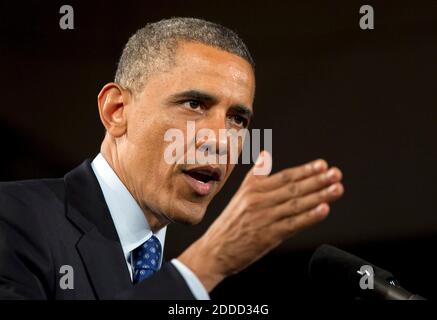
x: 153, y: 47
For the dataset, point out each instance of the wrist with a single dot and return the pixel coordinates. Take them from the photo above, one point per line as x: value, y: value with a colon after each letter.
x: 203, y: 262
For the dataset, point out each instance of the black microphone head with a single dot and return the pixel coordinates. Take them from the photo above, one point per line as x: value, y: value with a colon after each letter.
x: 339, y: 271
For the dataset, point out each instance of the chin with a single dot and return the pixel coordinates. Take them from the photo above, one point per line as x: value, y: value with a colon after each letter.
x: 188, y: 213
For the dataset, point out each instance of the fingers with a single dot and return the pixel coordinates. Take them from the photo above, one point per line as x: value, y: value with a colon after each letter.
x: 294, y: 174
x: 301, y: 188
x: 263, y: 165
x: 261, y: 169
x: 317, y: 182
x: 290, y: 225
x: 296, y: 206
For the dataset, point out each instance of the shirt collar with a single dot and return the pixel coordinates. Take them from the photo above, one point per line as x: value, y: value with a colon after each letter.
x: 129, y: 220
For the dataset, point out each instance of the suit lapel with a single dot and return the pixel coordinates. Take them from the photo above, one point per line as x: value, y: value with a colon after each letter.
x: 99, y: 247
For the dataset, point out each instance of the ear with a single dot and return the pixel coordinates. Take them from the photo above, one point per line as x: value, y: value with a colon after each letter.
x: 112, y: 101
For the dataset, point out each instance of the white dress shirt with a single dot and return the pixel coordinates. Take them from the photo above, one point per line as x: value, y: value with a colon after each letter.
x: 131, y: 224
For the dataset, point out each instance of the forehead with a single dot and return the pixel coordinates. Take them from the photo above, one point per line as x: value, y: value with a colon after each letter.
x: 200, y: 57
x: 201, y: 67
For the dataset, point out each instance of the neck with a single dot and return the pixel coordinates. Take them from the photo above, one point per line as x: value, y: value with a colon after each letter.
x: 109, y: 151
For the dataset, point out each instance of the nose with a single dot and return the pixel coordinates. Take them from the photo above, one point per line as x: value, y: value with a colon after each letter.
x: 212, y: 138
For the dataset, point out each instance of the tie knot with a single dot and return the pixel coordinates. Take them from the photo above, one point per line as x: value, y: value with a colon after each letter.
x: 146, y: 259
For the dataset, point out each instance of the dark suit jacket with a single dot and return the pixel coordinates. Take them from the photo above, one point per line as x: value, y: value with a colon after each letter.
x: 45, y: 224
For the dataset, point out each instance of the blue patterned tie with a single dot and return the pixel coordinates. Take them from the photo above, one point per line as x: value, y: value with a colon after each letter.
x: 146, y: 259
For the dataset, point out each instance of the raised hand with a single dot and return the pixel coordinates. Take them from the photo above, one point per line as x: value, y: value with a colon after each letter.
x: 265, y: 211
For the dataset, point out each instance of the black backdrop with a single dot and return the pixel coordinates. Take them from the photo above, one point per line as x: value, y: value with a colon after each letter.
x: 363, y: 100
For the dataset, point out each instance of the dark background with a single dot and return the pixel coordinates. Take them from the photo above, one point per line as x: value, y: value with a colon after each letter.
x: 363, y: 100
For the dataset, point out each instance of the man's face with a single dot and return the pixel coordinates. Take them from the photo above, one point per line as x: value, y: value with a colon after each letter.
x: 210, y: 87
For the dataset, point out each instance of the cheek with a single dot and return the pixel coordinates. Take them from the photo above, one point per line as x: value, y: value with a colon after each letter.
x: 146, y: 130
x: 145, y: 147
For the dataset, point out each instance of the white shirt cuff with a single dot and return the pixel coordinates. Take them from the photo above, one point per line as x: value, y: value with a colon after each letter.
x: 196, y: 287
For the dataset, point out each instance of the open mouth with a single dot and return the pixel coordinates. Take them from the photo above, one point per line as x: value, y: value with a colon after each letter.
x: 203, y: 179
x: 205, y: 174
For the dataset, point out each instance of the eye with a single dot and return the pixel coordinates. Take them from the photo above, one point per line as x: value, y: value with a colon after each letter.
x: 239, y: 121
x: 193, y: 104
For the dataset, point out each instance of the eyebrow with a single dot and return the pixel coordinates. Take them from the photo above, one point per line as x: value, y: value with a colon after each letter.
x: 243, y: 110
x: 210, y: 99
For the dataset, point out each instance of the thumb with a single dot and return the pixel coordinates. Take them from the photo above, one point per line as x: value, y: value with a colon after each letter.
x: 261, y: 168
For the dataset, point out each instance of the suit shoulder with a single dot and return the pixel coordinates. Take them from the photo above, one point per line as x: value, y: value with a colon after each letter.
x: 30, y: 195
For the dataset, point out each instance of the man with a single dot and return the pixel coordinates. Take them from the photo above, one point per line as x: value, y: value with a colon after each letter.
x: 105, y: 221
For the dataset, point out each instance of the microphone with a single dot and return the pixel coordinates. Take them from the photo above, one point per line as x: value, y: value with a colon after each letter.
x: 336, y: 269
